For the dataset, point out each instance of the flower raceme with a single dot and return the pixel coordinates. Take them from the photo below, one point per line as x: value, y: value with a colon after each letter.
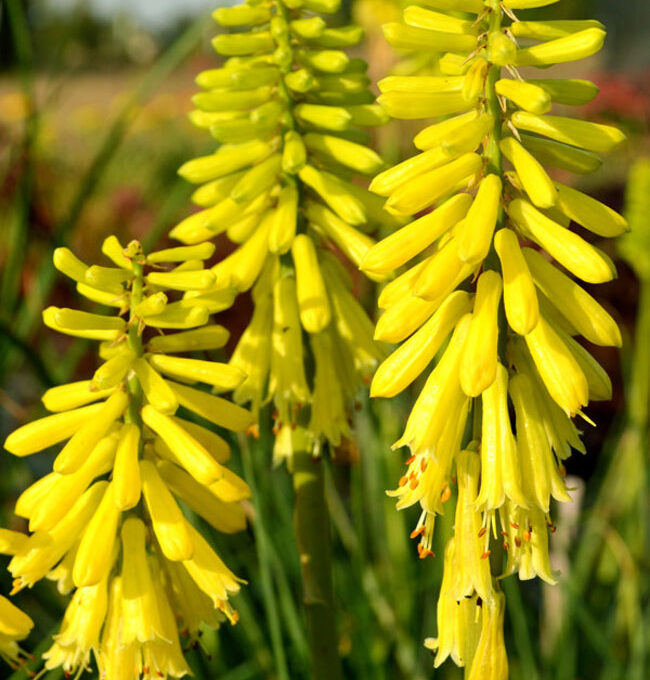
x: 287, y: 108
x: 107, y: 522
x: 496, y: 270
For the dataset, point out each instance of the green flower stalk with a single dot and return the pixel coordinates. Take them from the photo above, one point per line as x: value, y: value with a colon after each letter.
x: 288, y: 106
x: 106, y: 523
x: 495, y: 270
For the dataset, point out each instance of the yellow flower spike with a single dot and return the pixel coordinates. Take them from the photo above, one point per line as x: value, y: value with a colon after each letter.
x: 126, y: 473
x: 209, y: 573
x: 396, y: 249
x: 425, y: 189
x: 569, y: 48
x: 519, y: 296
x: 584, y: 313
x: 490, y: 660
x: 475, y: 236
x: 141, y: 617
x: 283, y: 228
x: 442, y: 273
x: 170, y: 527
x: 478, y: 366
x: 71, y: 457
x: 190, y: 453
x: 94, y: 555
x: 313, y: 303
x: 200, y: 339
x: 65, y: 489
x: 473, y: 569
x: 155, y: 389
x: 215, y: 409
x: 500, y: 468
x: 569, y: 249
x: 440, y: 396
x: 524, y: 94
x: 536, y: 183
x: 225, y: 517
x: 561, y: 373
x: 580, y: 133
x: 589, y: 213
x: 221, y: 376
x: 112, y: 372
x: 407, y: 362
x: 50, y: 430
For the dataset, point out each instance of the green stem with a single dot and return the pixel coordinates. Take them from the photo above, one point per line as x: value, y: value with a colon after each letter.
x: 262, y: 545
x: 312, y: 527
x: 134, y: 340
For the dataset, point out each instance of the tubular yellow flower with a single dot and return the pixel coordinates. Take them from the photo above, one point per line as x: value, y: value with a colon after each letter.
x: 478, y: 367
x: 15, y: 625
x: 519, y: 296
x: 489, y: 163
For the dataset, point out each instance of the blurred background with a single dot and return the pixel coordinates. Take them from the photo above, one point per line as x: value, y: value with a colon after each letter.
x: 93, y: 102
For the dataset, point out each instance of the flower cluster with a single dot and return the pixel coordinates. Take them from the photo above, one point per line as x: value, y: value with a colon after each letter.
x: 106, y: 522
x: 491, y: 210
x: 287, y: 106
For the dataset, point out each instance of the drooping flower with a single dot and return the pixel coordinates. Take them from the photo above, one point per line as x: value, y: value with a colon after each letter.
x: 107, y: 522
x: 288, y: 106
x: 492, y: 262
